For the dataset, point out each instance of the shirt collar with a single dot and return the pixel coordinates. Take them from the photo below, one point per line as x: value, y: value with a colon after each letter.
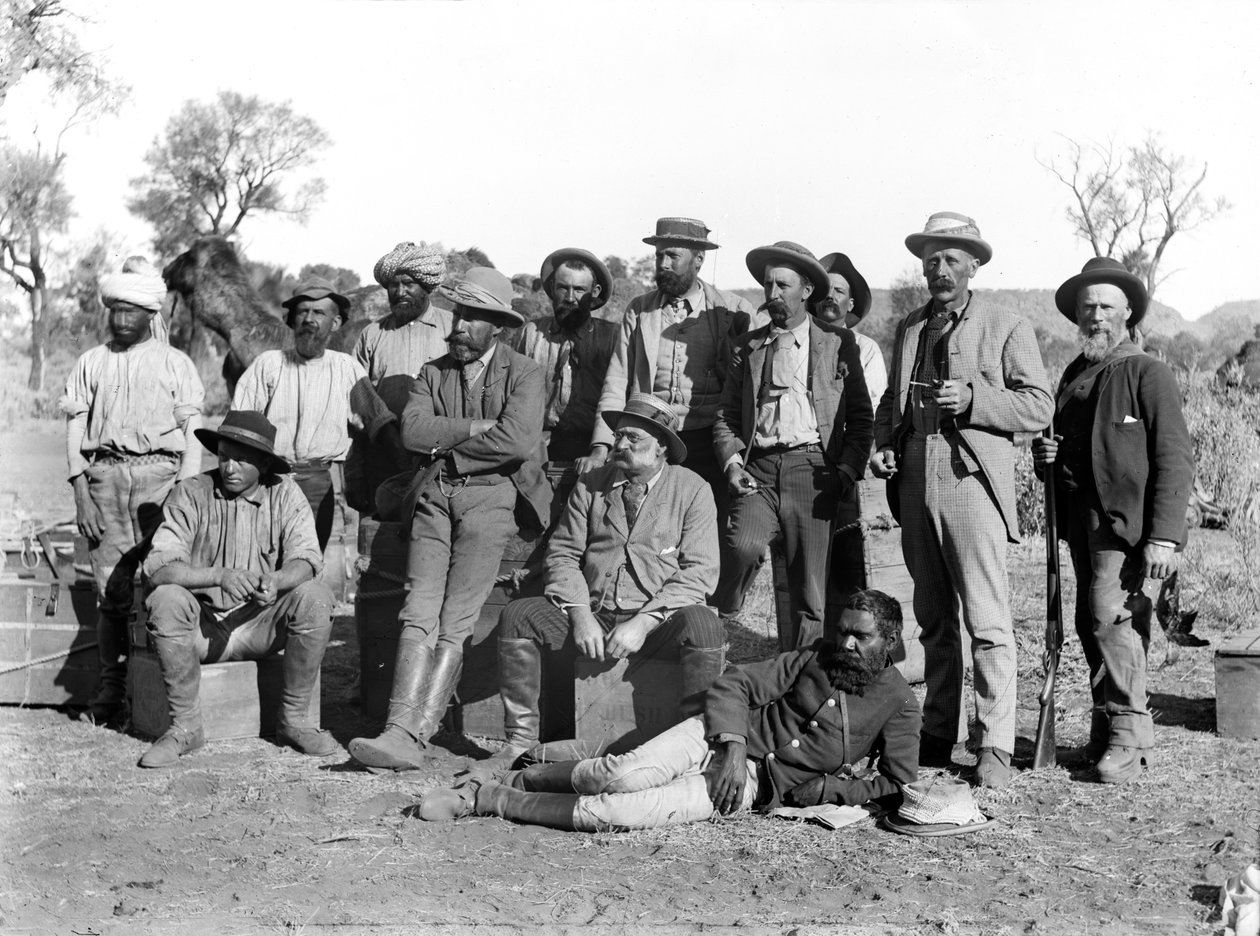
x: 650, y: 484
x: 694, y: 297
x: 256, y: 498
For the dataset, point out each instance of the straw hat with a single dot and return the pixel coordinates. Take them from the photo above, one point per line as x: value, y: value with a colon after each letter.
x: 954, y: 229
x: 653, y: 414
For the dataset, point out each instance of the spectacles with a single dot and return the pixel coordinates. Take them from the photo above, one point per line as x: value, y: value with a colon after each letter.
x: 629, y: 435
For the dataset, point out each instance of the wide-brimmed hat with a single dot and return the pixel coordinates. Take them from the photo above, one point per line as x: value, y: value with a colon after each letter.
x: 603, y: 278
x: 687, y: 232
x: 654, y: 415
x: 1103, y: 270
x: 950, y: 227
x: 937, y: 806
x: 793, y: 255
x: 487, y: 289
x: 249, y: 428
x: 859, y: 291
x: 315, y: 288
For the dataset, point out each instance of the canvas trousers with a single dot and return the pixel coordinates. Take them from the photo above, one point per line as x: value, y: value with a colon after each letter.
x: 659, y: 783
x: 1113, y: 621
x: 953, y: 538
x: 129, y: 497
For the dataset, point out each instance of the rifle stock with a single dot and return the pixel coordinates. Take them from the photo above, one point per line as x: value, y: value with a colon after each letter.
x: 1044, y: 747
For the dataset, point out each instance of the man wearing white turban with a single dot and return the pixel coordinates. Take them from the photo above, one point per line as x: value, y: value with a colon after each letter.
x: 131, y: 408
x: 392, y: 351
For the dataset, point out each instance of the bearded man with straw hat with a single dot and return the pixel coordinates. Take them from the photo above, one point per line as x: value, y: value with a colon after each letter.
x: 966, y: 377
x: 132, y: 406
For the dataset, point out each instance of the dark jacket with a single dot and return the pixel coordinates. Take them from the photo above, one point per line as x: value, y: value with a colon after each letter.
x: 512, y: 396
x: 837, y: 390
x: 794, y: 720
x: 1143, y: 460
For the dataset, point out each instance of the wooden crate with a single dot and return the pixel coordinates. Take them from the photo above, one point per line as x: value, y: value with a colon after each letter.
x: 623, y: 703
x: 1238, y: 687
x: 238, y: 700
x: 47, y: 658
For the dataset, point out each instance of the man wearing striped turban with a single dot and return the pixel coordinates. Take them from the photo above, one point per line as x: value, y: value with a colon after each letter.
x: 131, y: 405
x: 392, y: 351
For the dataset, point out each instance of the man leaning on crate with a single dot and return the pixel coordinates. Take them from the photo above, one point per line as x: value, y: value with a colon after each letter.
x: 233, y: 575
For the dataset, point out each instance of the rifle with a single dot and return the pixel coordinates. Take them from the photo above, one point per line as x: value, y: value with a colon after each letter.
x: 1044, y: 752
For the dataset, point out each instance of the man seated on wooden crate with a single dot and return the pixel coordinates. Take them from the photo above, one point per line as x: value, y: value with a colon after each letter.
x: 233, y: 570
x: 627, y: 571
x: 783, y: 731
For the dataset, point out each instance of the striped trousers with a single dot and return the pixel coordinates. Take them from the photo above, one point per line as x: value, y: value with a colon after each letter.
x: 954, y: 541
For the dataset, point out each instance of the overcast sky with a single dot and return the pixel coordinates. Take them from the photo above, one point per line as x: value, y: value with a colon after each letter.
x: 523, y: 127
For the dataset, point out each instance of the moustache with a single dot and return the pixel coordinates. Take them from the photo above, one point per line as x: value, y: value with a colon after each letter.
x: 943, y: 283
x: 774, y: 306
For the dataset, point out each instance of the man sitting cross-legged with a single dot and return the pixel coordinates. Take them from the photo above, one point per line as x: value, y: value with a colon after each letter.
x: 787, y: 730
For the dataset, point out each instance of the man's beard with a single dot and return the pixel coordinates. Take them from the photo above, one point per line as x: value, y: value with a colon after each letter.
x: 847, y: 672
x: 675, y: 284
x: 310, y: 344
x: 1097, y: 345
x: 573, y: 315
x: 778, y: 311
x: 464, y: 349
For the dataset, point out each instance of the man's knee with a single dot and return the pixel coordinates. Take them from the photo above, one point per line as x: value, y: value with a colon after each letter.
x: 311, y: 607
x: 172, y: 609
x: 522, y: 619
x: 742, y: 545
x: 698, y: 626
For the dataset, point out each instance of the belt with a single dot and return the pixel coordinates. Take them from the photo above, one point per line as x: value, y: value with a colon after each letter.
x: 101, y: 457
x: 785, y: 449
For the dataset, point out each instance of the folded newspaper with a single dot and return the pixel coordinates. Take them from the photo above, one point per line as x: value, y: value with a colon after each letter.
x: 831, y: 815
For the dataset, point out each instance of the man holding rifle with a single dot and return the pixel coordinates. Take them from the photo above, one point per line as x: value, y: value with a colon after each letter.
x: 1123, y: 466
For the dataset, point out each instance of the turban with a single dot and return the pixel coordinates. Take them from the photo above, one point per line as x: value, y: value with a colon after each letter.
x: 422, y: 263
x: 140, y: 285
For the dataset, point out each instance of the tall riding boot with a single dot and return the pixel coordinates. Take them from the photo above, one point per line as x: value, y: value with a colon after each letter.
x: 397, y: 747
x: 181, y: 672
x: 303, y: 654
x: 111, y: 695
x: 555, y: 810
x: 520, y: 685
x: 700, y: 667
x: 448, y: 666
x: 556, y: 777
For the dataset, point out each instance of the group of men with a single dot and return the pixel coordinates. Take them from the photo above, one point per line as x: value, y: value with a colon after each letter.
x: 701, y: 429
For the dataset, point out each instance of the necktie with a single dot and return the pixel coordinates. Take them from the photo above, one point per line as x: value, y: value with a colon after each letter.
x: 933, y: 364
x: 561, y: 383
x: 632, y: 495
x: 471, y: 371
x: 770, y: 388
x: 677, y: 310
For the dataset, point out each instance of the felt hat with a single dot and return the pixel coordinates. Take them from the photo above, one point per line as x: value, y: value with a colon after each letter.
x: 603, y: 278
x: 249, y: 428
x: 687, y: 232
x: 954, y: 229
x: 1103, y: 270
x: 859, y: 291
x: 793, y: 255
x: 937, y: 806
x: 487, y: 289
x: 316, y: 287
x: 653, y: 414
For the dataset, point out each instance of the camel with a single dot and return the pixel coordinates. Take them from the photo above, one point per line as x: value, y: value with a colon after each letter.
x: 210, y: 280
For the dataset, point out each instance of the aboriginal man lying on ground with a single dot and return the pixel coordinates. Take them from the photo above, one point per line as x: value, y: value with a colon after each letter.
x: 783, y: 731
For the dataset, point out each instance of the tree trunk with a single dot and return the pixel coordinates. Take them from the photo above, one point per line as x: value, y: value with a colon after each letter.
x: 39, y: 340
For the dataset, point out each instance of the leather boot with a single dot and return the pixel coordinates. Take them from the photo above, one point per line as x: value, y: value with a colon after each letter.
x: 520, y: 685
x: 181, y: 673
x: 1099, y: 734
x: 554, y: 810
x: 303, y: 655
x: 544, y: 778
x: 700, y: 667
x: 397, y: 747
x: 994, y: 768
x: 110, y: 701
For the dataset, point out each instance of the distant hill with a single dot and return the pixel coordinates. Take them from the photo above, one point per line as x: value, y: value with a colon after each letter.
x: 1231, y: 323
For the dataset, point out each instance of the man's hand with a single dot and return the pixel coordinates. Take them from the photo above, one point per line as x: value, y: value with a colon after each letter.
x: 726, y: 775
x: 587, y: 633
x: 1045, y: 450
x: 739, y: 482
x: 240, y: 585
x: 87, y: 515
x: 480, y: 427
x: 952, y: 397
x: 884, y: 463
x: 268, y: 589
x: 1158, y: 561
x: 599, y: 455
x: 809, y: 793
x: 628, y: 636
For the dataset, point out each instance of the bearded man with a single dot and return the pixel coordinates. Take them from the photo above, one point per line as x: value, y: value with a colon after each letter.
x: 845, y: 304
x: 572, y: 348
x: 675, y: 343
x: 966, y: 377
x: 306, y: 393
x: 392, y: 350
x: 786, y: 731
x: 475, y: 414
x: 132, y: 406
x: 1122, y: 463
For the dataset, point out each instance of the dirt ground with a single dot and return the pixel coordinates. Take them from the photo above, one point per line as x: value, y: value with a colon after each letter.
x: 244, y: 837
